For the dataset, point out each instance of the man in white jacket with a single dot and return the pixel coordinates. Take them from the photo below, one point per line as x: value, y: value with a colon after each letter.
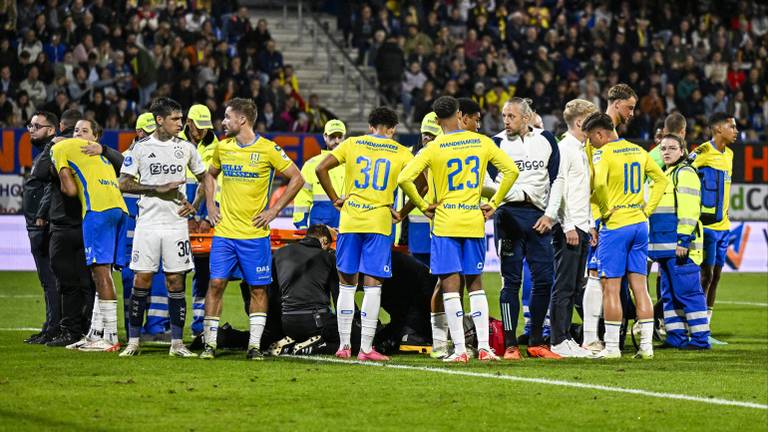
x: 524, y: 221
x: 571, y: 236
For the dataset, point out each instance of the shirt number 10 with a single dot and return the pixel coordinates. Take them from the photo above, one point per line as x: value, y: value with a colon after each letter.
x: 632, y: 178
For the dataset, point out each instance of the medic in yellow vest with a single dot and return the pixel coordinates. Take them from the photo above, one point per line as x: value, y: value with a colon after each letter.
x: 311, y: 205
x: 676, y: 243
x: 418, y: 224
x: 199, y: 131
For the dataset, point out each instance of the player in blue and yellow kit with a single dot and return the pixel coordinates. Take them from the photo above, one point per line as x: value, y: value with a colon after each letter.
x: 248, y: 163
x: 312, y: 206
x: 714, y: 160
x: 93, y: 180
x: 618, y: 180
x: 371, y: 163
x: 458, y: 159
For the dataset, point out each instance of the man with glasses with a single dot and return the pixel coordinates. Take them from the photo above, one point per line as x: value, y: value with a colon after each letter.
x: 42, y: 129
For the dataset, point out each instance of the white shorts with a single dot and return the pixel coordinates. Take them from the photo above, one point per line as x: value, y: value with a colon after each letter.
x: 170, y: 245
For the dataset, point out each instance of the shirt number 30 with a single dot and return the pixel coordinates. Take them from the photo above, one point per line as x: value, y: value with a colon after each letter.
x: 379, y: 182
x: 457, y: 166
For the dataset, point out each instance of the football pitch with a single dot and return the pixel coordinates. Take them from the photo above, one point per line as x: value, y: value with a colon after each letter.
x: 55, y: 389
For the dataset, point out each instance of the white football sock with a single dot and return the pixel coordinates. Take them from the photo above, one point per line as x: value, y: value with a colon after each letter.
x: 97, y: 325
x: 612, y: 329
x: 646, y: 334
x: 592, y: 307
x: 108, y: 309
x: 439, y: 331
x: 257, y: 322
x: 478, y: 304
x: 454, y: 314
x: 710, y: 312
x: 345, y: 312
x: 210, y: 330
x: 369, y: 316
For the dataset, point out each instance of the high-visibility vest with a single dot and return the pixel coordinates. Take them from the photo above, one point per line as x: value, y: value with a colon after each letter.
x: 676, y: 219
x: 206, y: 154
x: 312, y: 205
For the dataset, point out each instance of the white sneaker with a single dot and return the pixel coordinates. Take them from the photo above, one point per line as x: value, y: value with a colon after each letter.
x: 78, y: 344
x: 608, y: 354
x: 563, y: 349
x: 100, y: 345
x: 181, y: 351
x: 577, y: 350
x: 132, y: 349
x: 594, y: 347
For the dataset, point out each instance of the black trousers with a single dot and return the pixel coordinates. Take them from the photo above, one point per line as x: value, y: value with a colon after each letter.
x: 570, y: 265
x: 302, y: 326
x: 39, y: 241
x: 75, y: 282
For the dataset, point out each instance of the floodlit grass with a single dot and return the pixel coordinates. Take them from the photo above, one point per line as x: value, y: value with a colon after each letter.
x: 55, y: 389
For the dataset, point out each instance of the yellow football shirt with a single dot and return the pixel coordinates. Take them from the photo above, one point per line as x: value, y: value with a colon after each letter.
x: 371, y: 166
x: 97, y: 186
x: 620, y: 171
x: 710, y: 156
x: 247, y: 173
x: 458, y: 162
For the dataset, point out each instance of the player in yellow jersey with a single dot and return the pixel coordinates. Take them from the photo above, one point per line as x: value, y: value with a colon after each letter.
x: 248, y: 163
x: 371, y: 163
x: 93, y: 179
x: 458, y: 160
x: 620, y: 169
x: 312, y: 205
x: 714, y: 160
x: 621, y: 109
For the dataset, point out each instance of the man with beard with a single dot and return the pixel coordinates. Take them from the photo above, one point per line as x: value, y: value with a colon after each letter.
x: 248, y: 163
x: 42, y: 129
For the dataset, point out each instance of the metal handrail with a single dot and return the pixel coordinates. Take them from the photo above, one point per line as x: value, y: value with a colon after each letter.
x: 364, y: 80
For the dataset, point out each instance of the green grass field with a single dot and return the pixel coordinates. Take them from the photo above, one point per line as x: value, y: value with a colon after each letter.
x: 54, y: 389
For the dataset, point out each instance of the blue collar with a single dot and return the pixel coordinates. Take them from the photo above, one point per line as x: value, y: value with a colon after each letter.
x: 249, y: 144
x: 454, y: 131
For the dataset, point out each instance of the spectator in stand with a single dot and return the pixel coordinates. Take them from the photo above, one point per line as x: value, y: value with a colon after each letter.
x: 390, y: 65
x: 318, y: 114
x: 34, y: 88
x: 363, y: 31
x: 413, y: 80
x: 270, y: 61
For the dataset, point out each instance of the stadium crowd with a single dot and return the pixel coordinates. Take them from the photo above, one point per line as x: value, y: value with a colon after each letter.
x: 695, y: 58
x: 108, y: 59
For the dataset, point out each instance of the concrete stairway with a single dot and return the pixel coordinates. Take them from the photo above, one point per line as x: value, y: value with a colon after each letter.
x: 310, y: 52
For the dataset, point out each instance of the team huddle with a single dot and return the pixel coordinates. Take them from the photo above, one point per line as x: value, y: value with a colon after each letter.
x: 585, y: 214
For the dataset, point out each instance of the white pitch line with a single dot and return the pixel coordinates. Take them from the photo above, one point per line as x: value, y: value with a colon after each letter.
x: 660, y: 395
x: 40, y: 296
x: 13, y: 329
x: 742, y: 303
